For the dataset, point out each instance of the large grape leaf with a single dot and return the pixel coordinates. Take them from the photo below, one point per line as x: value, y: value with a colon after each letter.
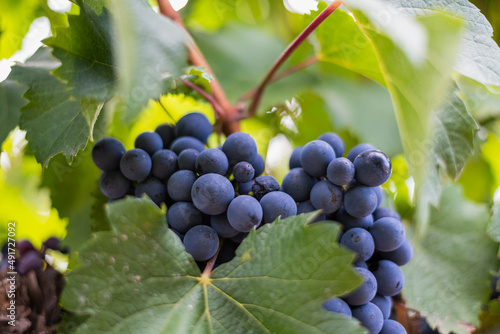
x: 449, y: 275
x: 478, y: 53
x: 11, y: 102
x: 54, y: 120
x: 138, y: 278
x: 84, y: 49
x: 148, y: 47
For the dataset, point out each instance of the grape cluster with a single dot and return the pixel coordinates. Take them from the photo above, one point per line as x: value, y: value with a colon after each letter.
x: 215, y: 194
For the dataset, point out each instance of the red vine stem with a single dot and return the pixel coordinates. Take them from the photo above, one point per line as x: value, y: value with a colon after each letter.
x: 283, y: 74
x: 217, y: 108
x: 288, y: 51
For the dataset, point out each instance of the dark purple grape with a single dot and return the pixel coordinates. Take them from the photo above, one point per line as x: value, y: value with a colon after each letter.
x: 372, y: 167
x: 315, y: 157
x: 194, y: 125
x: 150, y: 142
x: 164, y: 164
x: 334, y: 141
x: 167, y: 134
x: 135, y: 164
x: 201, y: 242
x: 244, y: 213
x: 107, y: 153
x: 243, y: 172
x: 30, y: 261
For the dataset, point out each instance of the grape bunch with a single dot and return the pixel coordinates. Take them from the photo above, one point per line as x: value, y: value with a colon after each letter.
x: 220, y: 194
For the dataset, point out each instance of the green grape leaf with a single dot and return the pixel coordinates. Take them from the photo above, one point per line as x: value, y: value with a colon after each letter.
x: 449, y: 276
x: 454, y: 135
x: 84, y: 49
x: 53, y: 119
x: 478, y: 53
x: 11, y: 102
x: 494, y: 226
x: 276, y: 283
x: 62, y: 179
x: 149, y: 48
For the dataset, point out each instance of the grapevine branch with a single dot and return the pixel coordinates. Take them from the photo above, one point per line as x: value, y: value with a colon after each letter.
x: 196, y: 58
x: 227, y: 114
x: 288, y: 51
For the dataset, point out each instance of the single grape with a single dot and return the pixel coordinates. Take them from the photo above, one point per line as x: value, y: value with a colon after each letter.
x: 385, y: 212
x: 372, y: 167
x: 353, y: 153
x: 245, y: 188
x: 315, y: 157
x: 167, y: 134
x: 326, y: 196
x: 212, y: 193
x: 182, y: 216
x: 211, y: 160
x: 243, y: 172
x: 390, y: 278
x: 365, y: 292
x: 107, y: 153
x: 360, y: 201
x: 276, y: 204
x: 113, y: 184
x: 238, y: 147
x: 294, y: 161
x: 150, y: 142
x: 182, y: 143
x: 359, y: 241
x: 179, y: 185
x: 388, y: 234
x: 401, y: 255
x: 24, y: 247
x: 384, y: 303
x: 264, y: 185
x: 337, y: 305
x: 52, y: 243
x: 392, y: 327
x: 194, y: 125
x: 221, y: 225
x: 370, y: 317
x: 201, y: 242
x: 334, y: 141
x: 135, y: 164
x: 340, y: 171
x: 349, y: 221
x: 164, y: 164
x: 258, y: 165
x: 30, y: 261
x: 298, y: 184
x: 154, y: 188
x: 244, y: 213
x: 187, y: 159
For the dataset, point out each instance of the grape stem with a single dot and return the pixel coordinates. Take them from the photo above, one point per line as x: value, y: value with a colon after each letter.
x: 210, y: 264
x: 252, y: 110
x: 217, y: 108
x: 196, y: 58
